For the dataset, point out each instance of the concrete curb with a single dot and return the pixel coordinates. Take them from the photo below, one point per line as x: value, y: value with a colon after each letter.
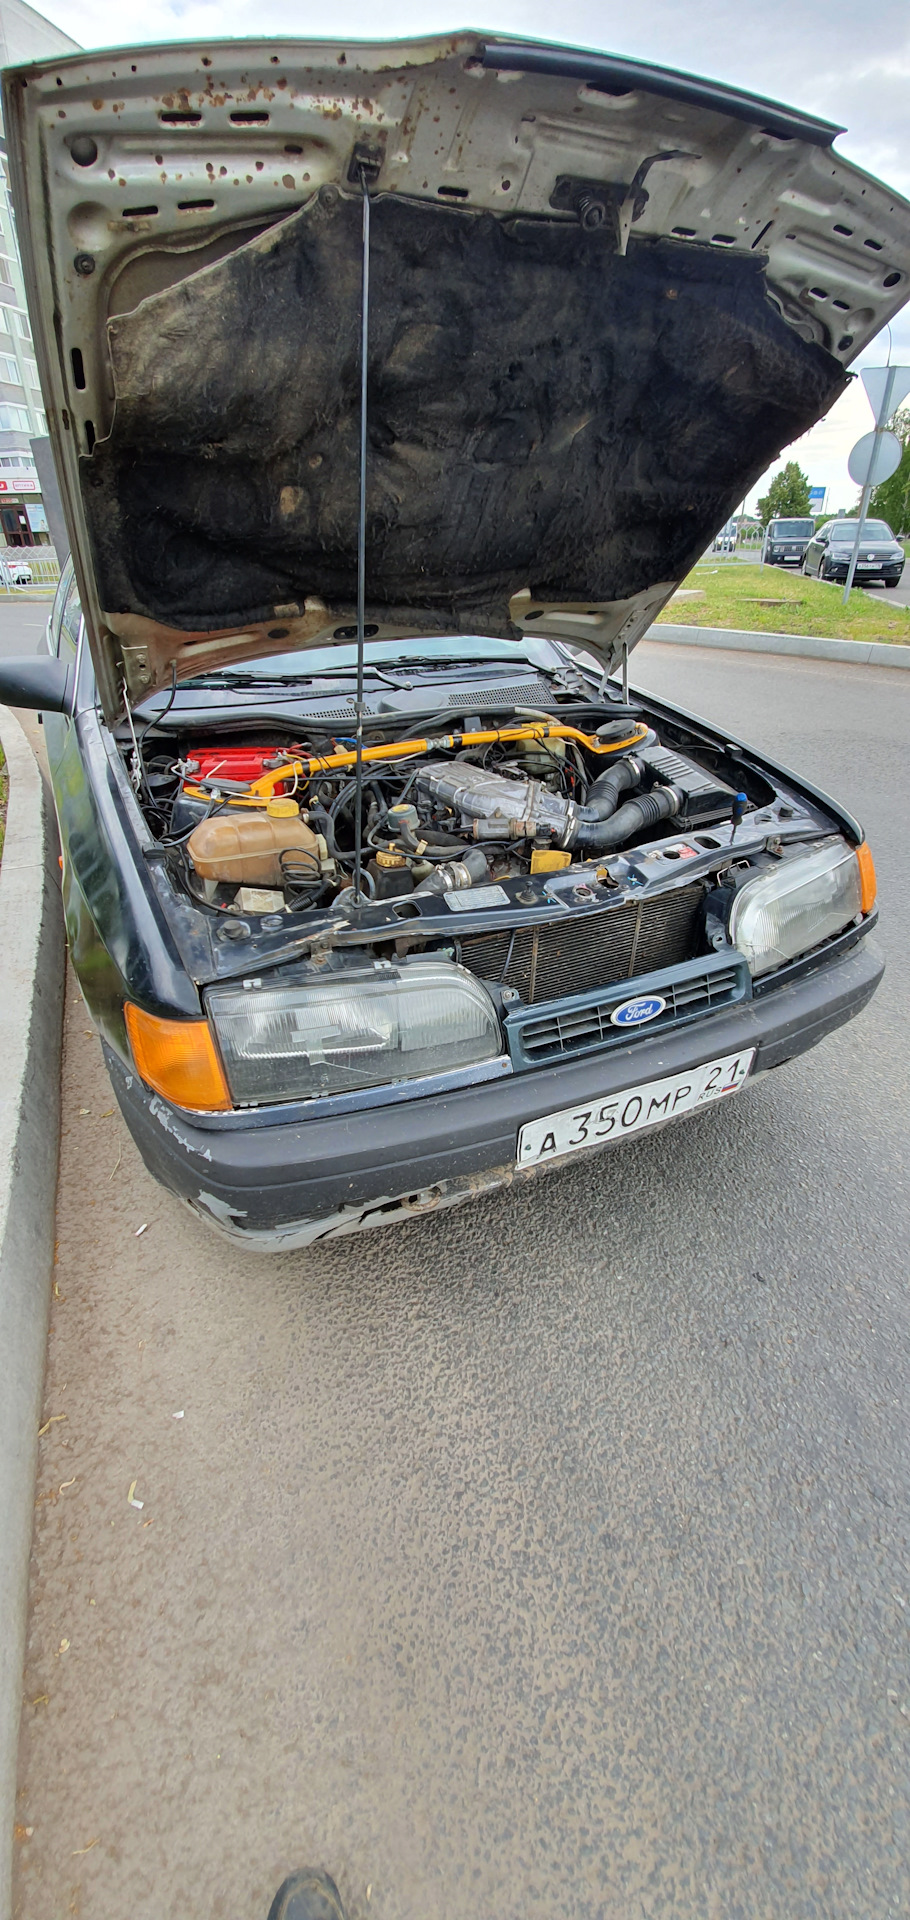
x: 31, y: 1010
x: 853, y: 653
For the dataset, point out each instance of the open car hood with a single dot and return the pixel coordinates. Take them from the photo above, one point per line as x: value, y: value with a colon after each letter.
x: 603, y: 298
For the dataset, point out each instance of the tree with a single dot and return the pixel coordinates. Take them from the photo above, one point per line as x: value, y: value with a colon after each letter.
x: 891, y: 500
x: 787, y: 497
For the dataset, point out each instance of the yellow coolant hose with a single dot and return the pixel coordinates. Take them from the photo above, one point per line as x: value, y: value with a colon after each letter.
x: 261, y: 790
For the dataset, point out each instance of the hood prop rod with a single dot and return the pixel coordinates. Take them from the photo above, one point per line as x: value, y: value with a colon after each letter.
x: 364, y: 173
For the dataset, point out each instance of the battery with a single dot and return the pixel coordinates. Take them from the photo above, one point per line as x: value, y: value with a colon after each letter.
x: 234, y: 763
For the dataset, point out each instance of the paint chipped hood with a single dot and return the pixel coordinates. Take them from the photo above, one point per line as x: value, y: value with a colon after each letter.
x: 603, y: 298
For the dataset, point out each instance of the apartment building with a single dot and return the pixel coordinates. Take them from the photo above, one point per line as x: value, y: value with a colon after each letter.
x: 24, y: 35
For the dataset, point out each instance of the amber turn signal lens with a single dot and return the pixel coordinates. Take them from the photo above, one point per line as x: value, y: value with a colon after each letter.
x: 867, y: 880
x: 178, y: 1059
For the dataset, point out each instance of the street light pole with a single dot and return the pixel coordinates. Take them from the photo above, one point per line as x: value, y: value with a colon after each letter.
x: 884, y: 414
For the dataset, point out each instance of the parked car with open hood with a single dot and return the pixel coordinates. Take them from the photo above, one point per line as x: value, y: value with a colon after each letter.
x: 880, y: 561
x: 382, y: 886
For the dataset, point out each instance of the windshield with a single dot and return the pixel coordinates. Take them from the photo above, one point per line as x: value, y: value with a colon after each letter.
x: 873, y: 530
x: 447, y: 650
x: 791, y: 529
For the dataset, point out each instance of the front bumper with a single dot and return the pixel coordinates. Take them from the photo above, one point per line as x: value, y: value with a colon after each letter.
x: 276, y: 1183
x: 892, y: 571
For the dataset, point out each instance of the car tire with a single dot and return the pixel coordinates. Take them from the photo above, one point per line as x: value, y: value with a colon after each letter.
x: 892, y: 583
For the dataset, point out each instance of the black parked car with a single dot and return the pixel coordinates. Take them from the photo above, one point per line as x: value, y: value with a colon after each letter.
x: 880, y: 559
x: 785, y: 542
x: 359, y: 952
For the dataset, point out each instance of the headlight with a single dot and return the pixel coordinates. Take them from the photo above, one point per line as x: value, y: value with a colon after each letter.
x: 796, y: 905
x: 336, y: 1035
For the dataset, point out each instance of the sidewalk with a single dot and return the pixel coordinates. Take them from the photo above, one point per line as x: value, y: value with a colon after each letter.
x: 31, y: 971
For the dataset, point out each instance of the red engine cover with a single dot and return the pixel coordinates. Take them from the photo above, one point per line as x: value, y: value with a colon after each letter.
x: 236, y: 763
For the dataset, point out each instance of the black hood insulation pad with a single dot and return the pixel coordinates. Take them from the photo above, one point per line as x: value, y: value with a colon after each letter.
x: 545, y: 412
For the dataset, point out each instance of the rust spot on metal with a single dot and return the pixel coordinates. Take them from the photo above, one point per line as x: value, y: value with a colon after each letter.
x: 287, y: 180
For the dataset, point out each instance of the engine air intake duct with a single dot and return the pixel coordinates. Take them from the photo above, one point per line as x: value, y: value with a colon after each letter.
x: 702, y: 795
x: 637, y: 814
x: 603, y: 794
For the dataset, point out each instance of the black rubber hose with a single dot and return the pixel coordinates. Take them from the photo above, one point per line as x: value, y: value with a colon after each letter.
x: 431, y: 837
x: 321, y: 822
x: 636, y: 814
x: 604, y: 792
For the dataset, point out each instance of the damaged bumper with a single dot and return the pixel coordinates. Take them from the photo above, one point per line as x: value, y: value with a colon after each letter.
x: 274, y: 1179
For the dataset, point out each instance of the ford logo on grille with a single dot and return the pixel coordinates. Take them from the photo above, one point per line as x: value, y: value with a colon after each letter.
x: 634, y: 1013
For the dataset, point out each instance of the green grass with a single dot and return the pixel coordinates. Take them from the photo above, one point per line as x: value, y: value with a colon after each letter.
x: 731, y: 595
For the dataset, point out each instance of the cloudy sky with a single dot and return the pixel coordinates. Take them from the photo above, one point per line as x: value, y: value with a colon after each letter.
x: 836, y: 60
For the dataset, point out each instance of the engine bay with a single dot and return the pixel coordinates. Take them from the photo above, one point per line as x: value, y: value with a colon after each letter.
x: 269, y: 826
x: 479, y: 844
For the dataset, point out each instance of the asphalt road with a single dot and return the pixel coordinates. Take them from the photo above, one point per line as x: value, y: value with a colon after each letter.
x: 22, y: 622
x: 546, y: 1558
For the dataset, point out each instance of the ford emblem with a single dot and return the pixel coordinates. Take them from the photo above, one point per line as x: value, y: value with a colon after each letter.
x: 634, y: 1013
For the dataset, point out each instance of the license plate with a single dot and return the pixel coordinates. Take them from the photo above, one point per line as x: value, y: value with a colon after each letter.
x: 622, y: 1114
x: 866, y: 566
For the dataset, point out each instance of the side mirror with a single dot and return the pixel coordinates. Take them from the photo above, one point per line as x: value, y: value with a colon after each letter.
x: 34, y: 680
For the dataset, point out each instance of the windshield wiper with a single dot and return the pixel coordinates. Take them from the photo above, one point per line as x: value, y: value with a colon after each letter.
x: 232, y: 678
x: 422, y: 663
x: 241, y: 682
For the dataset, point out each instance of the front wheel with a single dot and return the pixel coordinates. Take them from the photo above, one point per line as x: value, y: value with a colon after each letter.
x: 892, y: 583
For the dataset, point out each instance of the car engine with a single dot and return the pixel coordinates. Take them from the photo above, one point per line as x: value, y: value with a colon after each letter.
x: 269, y: 828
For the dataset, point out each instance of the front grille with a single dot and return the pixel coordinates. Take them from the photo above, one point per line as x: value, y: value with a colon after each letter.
x: 592, y: 950
x: 585, y: 1025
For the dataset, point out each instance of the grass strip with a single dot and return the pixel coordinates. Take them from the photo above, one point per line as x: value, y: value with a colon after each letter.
x: 771, y: 600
